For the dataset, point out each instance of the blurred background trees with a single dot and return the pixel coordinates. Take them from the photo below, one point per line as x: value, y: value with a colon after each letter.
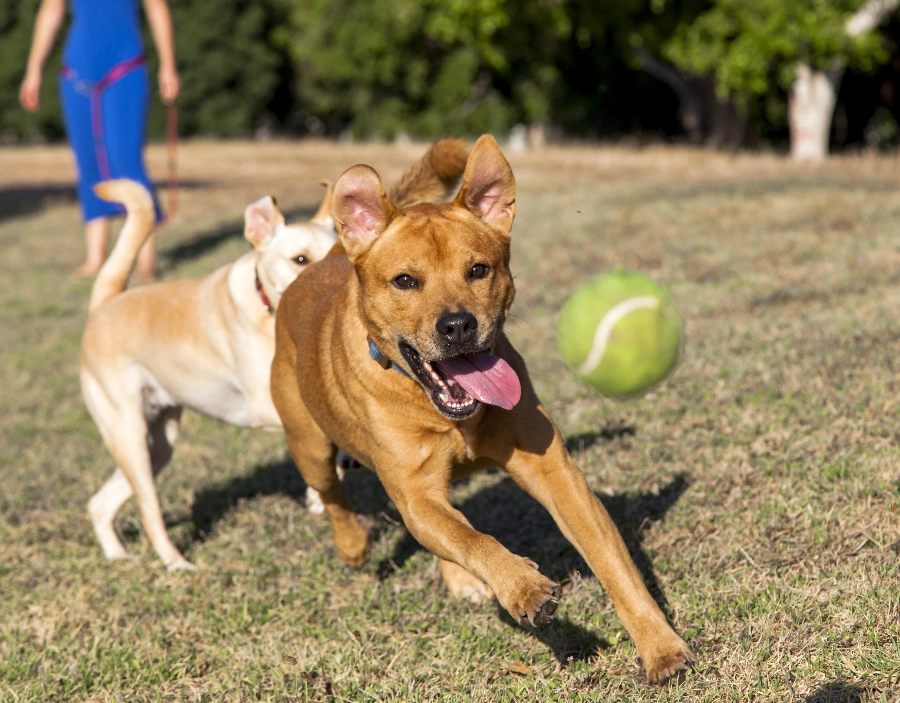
x: 719, y: 72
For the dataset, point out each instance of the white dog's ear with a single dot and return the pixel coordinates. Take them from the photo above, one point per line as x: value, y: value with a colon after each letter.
x: 489, y: 187
x: 323, y: 214
x: 261, y: 219
x: 362, y: 211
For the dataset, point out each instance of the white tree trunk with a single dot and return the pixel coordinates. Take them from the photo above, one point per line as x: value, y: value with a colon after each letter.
x: 811, y: 107
x: 814, y: 92
x: 869, y: 16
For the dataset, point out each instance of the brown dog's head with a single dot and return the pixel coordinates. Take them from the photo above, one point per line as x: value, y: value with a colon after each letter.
x: 435, y: 286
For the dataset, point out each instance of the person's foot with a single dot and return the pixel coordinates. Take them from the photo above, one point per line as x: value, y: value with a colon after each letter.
x: 87, y: 270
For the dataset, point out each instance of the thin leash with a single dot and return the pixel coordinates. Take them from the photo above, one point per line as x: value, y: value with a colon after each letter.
x: 172, y: 152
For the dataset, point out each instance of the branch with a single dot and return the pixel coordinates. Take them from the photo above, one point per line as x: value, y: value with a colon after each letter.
x: 667, y: 74
x: 869, y: 16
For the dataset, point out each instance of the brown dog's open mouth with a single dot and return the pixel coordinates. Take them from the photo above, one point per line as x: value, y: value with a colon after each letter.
x: 460, y: 384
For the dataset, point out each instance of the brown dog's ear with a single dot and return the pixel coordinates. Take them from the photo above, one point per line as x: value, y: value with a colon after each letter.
x: 489, y: 187
x: 261, y: 219
x: 323, y: 214
x: 361, y: 209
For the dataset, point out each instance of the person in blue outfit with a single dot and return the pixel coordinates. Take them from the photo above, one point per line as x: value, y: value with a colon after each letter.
x: 104, y: 89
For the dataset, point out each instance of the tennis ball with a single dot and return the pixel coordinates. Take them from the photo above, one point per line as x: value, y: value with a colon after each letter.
x: 621, y: 333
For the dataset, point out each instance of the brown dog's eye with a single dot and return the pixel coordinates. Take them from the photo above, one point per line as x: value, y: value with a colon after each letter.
x: 479, y: 271
x: 404, y: 281
x: 302, y: 260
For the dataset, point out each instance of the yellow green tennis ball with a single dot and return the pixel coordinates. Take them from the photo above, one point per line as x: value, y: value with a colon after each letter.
x: 621, y: 333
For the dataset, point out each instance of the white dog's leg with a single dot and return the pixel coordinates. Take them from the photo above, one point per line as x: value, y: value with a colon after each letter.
x: 314, y: 502
x: 103, y: 508
x: 134, y: 457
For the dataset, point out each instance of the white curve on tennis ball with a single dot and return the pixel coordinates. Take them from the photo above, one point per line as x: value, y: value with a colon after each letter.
x: 605, y: 328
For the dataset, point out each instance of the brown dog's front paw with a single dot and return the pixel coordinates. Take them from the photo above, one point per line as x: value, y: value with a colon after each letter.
x: 669, y: 666
x: 543, y: 606
x: 534, y: 597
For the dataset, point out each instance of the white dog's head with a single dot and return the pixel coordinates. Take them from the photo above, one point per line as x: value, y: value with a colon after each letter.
x: 284, y: 251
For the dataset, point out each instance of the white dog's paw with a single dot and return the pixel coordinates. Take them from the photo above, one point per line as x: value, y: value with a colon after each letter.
x: 314, y: 502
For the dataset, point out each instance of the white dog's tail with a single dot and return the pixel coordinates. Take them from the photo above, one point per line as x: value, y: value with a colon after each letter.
x: 139, y: 222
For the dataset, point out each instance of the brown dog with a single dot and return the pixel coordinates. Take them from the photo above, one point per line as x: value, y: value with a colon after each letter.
x: 396, y: 353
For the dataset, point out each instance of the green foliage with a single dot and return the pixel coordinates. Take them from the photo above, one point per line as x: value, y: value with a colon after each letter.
x: 605, y: 91
x: 430, y: 68
x: 753, y: 48
x: 230, y: 70
x: 16, y: 23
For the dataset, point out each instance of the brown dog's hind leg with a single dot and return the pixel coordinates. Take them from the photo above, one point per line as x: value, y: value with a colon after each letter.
x: 314, y: 454
x: 463, y: 585
x: 552, y: 478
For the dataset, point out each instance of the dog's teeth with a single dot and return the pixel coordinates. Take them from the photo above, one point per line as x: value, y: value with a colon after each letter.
x: 427, y: 365
x: 445, y: 397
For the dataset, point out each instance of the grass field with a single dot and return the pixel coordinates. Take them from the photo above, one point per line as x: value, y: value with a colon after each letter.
x: 757, y: 489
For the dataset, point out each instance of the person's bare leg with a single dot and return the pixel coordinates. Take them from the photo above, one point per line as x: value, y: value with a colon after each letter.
x: 96, y: 234
x: 146, y: 261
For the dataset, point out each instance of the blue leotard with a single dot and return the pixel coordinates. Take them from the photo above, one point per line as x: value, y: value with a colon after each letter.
x: 105, y: 93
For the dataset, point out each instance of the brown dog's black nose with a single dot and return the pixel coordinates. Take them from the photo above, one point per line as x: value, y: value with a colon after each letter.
x: 457, y: 328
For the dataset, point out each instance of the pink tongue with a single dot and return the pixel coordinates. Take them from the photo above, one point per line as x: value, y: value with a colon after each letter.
x: 485, y: 377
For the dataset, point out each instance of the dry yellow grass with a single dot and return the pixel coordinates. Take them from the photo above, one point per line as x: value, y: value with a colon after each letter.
x: 758, y: 488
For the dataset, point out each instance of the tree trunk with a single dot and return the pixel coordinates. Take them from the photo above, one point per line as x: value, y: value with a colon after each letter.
x: 689, y: 102
x: 706, y: 118
x: 810, y: 109
x: 869, y: 16
x: 814, y: 92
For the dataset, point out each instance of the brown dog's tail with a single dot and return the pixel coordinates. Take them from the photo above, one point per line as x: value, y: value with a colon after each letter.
x: 434, y: 176
x: 139, y: 222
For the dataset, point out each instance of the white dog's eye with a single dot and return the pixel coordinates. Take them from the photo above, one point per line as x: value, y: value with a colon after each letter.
x: 302, y: 260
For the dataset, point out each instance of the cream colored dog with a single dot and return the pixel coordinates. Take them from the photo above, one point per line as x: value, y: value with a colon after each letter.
x: 205, y: 344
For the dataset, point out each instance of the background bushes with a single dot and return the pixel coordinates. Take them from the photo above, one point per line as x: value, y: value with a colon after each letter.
x: 428, y: 68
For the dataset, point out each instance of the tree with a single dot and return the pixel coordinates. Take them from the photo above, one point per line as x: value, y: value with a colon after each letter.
x: 229, y: 68
x: 756, y: 48
x: 427, y: 67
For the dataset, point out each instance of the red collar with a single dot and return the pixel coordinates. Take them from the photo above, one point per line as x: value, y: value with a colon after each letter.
x: 267, y: 304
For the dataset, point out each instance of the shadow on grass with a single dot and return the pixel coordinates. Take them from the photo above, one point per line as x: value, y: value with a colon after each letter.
x: 568, y: 641
x: 203, y: 242
x: 22, y: 200
x: 836, y: 692
x: 524, y: 527
x: 503, y: 510
x: 212, y: 504
x: 277, y: 478
x: 584, y: 440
